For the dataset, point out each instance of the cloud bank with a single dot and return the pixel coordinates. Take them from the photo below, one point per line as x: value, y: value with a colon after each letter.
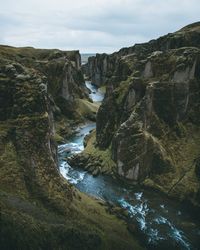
x: 91, y: 26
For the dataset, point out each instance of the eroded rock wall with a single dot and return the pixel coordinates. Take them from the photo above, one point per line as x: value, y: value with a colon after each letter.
x: 150, y: 116
x: 39, y: 208
x: 62, y: 70
x: 103, y: 67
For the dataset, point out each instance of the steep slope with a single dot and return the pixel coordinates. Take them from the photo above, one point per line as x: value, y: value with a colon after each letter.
x: 39, y: 209
x: 102, y: 67
x: 69, y: 97
x: 150, y: 117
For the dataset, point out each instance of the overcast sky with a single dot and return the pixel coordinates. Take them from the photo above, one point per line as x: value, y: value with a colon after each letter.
x: 91, y: 25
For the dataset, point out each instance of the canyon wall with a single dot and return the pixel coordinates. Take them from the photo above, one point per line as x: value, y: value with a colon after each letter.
x: 104, y: 67
x: 150, y: 117
x: 39, y: 208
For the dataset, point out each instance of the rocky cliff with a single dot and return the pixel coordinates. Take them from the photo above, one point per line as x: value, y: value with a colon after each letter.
x: 40, y: 209
x: 150, y: 117
x: 69, y: 98
x: 102, y: 67
x: 62, y: 71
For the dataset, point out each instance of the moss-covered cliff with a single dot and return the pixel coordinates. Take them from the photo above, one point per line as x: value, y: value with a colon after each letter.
x: 150, y: 117
x: 40, y: 209
x: 69, y: 98
x: 103, y: 68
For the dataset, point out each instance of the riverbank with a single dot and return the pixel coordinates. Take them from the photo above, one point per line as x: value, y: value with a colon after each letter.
x: 160, y: 222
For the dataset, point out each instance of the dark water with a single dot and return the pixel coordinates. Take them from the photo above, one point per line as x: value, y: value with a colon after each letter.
x: 163, y: 224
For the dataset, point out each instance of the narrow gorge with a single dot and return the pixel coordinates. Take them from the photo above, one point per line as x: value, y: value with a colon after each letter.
x: 102, y: 153
x: 149, y: 119
x: 43, y: 97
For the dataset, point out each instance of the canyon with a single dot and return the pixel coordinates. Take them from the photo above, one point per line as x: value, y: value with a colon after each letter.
x: 40, y: 90
x: 145, y: 101
x: 149, y: 119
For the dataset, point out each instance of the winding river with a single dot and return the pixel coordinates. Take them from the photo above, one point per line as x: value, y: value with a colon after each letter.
x: 162, y: 223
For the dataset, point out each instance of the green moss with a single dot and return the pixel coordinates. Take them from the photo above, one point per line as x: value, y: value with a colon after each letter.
x: 103, y: 156
x: 22, y: 231
x: 86, y: 109
x: 111, y: 226
x: 180, y: 129
x: 152, y: 184
x: 121, y: 91
x: 103, y: 89
x: 27, y: 225
x: 65, y: 127
x: 30, y: 53
x: 58, y: 138
x: 11, y: 174
x: 183, y: 182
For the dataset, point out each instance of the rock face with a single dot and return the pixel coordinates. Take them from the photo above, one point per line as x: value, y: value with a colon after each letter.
x: 61, y: 69
x: 99, y: 68
x: 103, y: 67
x: 150, y: 116
x: 39, y: 208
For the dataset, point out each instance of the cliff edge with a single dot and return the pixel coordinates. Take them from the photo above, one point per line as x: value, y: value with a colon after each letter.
x: 150, y: 117
x: 39, y: 208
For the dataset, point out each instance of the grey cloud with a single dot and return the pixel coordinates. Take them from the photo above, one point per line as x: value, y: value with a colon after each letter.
x: 91, y: 26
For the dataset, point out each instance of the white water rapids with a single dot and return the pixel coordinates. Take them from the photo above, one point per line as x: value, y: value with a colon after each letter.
x: 163, y: 224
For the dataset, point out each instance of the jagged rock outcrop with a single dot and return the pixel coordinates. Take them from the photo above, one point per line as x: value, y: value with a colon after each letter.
x: 102, y: 67
x: 99, y: 68
x: 69, y: 98
x: 39, y: 208
x: 150, y: 116
x: 62, y: 70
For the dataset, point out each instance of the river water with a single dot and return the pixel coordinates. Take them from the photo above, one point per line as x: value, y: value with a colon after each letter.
x: 162, y: 223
